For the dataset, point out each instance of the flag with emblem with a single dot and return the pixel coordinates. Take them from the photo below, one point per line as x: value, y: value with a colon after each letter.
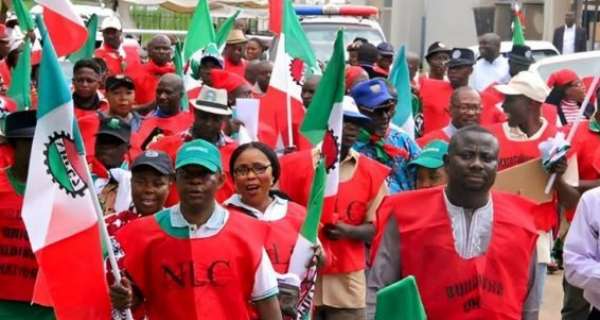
x: 323, y: 125
x: 281, y: 110
x: 58, y: 209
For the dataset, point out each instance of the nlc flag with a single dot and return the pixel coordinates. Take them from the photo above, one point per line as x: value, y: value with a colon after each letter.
x: 323, y: 125
x: 58, y: 211
x: 66, y: 28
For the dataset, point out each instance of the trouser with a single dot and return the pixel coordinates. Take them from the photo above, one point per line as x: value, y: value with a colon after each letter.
x: 575, y: 307
x: 329, y: 313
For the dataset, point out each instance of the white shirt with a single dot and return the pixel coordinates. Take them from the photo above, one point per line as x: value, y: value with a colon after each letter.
x: 275, y: 211
x: 582, y: 248
x: 486, y: 73
x: 569, y: 40
x: 265, y: 278
x: 471, y: 231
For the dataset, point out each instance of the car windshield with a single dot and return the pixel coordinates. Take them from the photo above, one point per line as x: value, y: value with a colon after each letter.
x: 322, y: 37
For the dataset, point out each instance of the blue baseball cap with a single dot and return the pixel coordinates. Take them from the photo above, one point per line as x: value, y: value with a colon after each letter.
x: 371, y: 94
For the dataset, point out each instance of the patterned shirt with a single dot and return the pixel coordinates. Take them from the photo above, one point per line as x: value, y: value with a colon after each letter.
x: 402, y: 177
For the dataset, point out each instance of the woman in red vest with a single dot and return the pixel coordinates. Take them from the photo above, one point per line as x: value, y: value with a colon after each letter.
x: 197, y: 260
x: 19, y: 267
x: 255, y: 169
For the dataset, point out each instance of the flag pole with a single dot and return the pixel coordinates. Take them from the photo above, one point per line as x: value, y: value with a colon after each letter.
x: 288, y: 102
x: 588, y: 97
x: 104, y: 231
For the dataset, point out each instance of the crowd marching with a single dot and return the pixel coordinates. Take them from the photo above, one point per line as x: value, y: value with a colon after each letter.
x: 207, y: 212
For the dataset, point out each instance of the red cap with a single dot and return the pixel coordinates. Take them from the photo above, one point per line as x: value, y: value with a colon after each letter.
x: 562, y: 77
x: 353, y: 72
x: 222, y: 79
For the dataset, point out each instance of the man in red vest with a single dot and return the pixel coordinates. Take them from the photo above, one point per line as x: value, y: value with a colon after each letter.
x: 19, y: 267
x: 485, y: 273
x: 167, y: 118
x: 86, y: 83
x: 437, y: 58
x: 210, y: 114
x: 117, y: 55
x: 197, y: 260
x: 465, y: 110
x: 234, y: 53
x: 435, y: 94
x: 340, y: 289
x: 146, y: 76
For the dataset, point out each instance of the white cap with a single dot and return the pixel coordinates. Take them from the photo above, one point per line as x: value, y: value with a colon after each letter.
x: 111, y: 22
x: 351, y: 111
x: 528, y: 84
x: 212, y: 100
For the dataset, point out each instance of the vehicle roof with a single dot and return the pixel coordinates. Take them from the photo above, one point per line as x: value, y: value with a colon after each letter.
x: 585, y: 64
x: 338, y: 20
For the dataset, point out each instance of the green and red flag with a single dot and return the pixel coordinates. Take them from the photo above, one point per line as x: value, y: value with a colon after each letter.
x: 58, y: 209
x: 87, y: 51
x: 323, y: 125
x: 518, y: 37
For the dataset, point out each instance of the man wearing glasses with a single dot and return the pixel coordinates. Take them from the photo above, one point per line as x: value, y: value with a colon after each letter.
x: 388, y: 145
x: 465, y: 110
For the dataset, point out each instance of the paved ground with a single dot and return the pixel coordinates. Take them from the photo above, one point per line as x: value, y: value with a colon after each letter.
x: 553, y: 295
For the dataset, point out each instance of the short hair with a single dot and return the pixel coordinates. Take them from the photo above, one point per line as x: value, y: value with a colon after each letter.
x: 260, y: 43
x: 87, y: 63
x: 367, y: 54
x: 265, y: 149
x: 460, y: 133
x: 101, y: 63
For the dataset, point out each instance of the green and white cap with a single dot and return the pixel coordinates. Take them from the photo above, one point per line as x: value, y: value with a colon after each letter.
x: 199, y: 152
x: 432, y: 155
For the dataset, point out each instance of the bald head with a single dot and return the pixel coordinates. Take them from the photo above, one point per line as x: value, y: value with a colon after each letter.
x: 264, y: 75
x: 159, y: 49
x: 309, y: 88
x: 465, y: 107
x: 489, y: 46
x: 169, y: 91
x: 251, y: 72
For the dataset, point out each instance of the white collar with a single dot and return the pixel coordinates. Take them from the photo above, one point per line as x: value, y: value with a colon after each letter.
x: 276, y: 210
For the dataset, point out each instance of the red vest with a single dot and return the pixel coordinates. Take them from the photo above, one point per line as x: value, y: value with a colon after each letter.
x: 283, y: 234
x: 7, y: 156
x: 435, y: 99
x: 102, y: 107
x: 352, y: 201
x: 513, y: 153
x: 178, y: 123
x: 18, y: 267
x: 239, y: 69
x: 116, y: 64
x: 491, y: 286
x: 170, y: 145
x: 439, y: 134
x: 145, y: 78
x: 203, y: 278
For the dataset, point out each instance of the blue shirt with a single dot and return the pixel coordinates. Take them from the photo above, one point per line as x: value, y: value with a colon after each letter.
x: 402, y: 177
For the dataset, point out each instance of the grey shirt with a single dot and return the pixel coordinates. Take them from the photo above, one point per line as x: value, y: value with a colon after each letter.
x: 471, y: 233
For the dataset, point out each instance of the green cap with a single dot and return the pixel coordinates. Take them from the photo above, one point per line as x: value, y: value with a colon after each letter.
x: 199, y: 152
x: 432, y: 155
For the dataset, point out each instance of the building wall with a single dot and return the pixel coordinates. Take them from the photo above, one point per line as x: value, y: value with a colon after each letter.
x: 452, y: 21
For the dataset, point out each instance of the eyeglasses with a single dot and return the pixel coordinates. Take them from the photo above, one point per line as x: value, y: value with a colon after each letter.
x: 256, y: 169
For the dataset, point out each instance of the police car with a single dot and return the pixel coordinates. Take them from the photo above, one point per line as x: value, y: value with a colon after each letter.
x: 584, y: 64
x: 320, y: 24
